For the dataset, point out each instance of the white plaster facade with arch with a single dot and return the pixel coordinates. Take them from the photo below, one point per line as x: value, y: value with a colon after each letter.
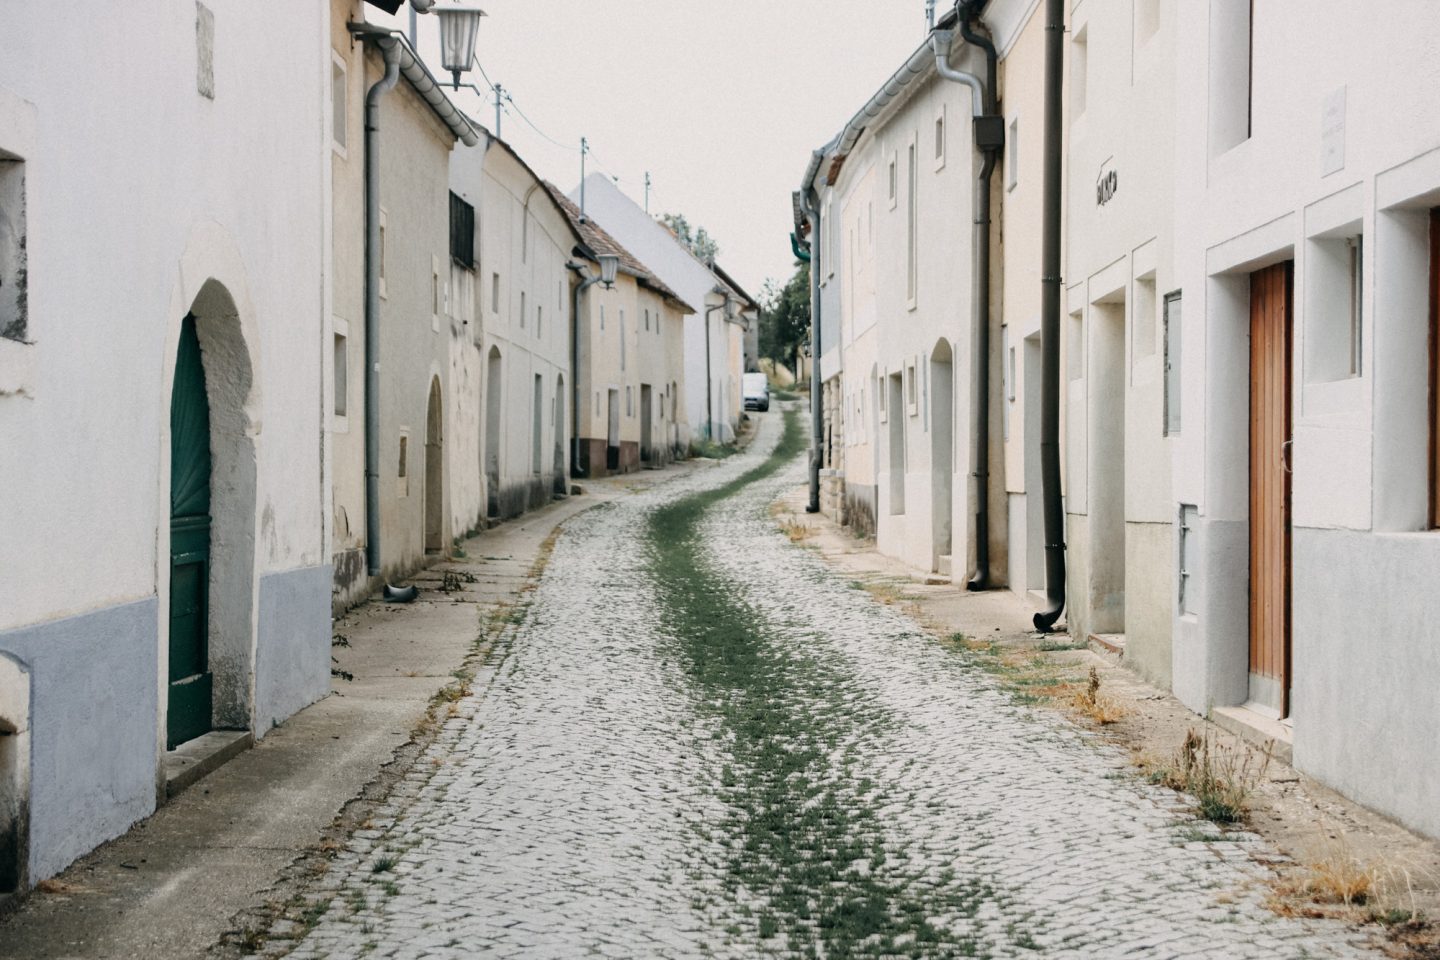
x: 225, y: 188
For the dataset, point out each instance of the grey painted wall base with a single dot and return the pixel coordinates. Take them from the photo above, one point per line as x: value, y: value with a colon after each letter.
x: 1366, y: 663
x: 93, y: 723
x: 292, y: 655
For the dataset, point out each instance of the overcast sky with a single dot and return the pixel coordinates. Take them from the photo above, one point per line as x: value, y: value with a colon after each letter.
x: 721, y: 101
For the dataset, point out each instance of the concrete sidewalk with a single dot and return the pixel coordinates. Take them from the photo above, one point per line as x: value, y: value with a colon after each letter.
x: 174, y: 885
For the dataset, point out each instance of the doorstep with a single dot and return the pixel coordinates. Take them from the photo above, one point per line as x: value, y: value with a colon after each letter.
x: 1113, y: 643
x: 194, y: 759
x: 1258, y: 730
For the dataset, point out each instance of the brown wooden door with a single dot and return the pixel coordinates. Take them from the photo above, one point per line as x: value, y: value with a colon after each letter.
x: 1271, y: 321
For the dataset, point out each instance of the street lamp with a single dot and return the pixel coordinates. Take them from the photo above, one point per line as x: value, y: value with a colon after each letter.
x: 458, y: 26
x: 609, y: 264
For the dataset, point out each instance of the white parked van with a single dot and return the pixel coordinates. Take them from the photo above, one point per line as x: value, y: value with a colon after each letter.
x: 756, y: 390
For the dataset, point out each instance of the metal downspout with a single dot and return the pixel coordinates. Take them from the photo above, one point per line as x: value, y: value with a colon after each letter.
x: 1050, y: 325
x: 586, y: 281
x: 981, y: 100
x: 390, y: 48
x: 817, y: 412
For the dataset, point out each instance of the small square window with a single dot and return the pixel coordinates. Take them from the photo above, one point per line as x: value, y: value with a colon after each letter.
x: 342, y: 375
x: 1012, y: 154
x: 940, y: 139
x: 339, y: 105
x: 14, y: 313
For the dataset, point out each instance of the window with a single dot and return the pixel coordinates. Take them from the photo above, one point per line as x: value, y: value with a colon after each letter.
x: 894, y: 182
x: 940, y: 139
x: 462, y: 232
x: 622, y: 339
x: 1435, y: 367
x: 911, y: 390
x: 1334, y: 290
x: 437, y: 305
x: 1172, y: 364
x: 602, y: 316
x: 539, y: 320
x: 342, y: 375
x: 403, y: 485
x: 1012, y: 154
x: 629, y: 402
x: 1075, y: 347
x: 339, y: 105
x: 384, y: 250
x: 1079, y: 70
x: 1355, y: 250
x: 1232, y: 57
x: 647, y: 319
x: 522, y: 309
x: 14, y: 304
x: 204, y: 51
x: 1185, y: 589
x: 912, y: 238
x: 494, y: 293
x: 1142, y: 320
x: 1147, y: 20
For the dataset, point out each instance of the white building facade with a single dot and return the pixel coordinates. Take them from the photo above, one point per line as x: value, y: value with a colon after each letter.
x: 161, y: 374
x: 1304, y: 472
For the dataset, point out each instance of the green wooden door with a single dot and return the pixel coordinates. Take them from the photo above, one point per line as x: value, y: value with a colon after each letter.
x: 190, y: 681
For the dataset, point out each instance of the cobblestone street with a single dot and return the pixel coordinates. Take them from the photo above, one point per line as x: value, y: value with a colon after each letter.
x: 696, y: 740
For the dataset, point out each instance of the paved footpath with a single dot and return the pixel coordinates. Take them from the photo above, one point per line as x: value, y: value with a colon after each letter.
x: 700, y: 742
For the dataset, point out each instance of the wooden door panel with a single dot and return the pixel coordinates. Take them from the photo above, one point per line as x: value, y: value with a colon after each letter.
x: 1271, y: 312
x: 1435, y: 367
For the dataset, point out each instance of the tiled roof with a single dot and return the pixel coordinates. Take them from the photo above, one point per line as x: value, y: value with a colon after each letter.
x: 599, y: 241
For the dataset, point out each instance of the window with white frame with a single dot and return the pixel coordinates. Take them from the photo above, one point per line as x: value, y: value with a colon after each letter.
x: 342, y: 375
x: 1172, y: 364
x: 1012, y: 154
x: 14, y: 269
x: 940, y: 138
x: 912, y: 237
x: 339, y: 105
x: 1334, y: 312
x: 1079, y: 72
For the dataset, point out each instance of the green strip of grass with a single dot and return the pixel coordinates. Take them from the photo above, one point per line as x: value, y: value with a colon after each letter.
x: 804, y: 837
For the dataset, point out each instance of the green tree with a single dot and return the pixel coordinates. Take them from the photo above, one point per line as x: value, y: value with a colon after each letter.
x: 697, y: 239
x: 785, y: 317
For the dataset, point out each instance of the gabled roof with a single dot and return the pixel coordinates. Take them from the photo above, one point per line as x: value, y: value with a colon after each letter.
x: 597, y: 241
x: 730, y: 282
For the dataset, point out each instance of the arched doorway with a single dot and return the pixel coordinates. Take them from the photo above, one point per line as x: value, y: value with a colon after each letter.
x: 14, y: 774
x: 210, y: 647
x: 942, y: 453
x: 191, y: 681
x: 434, y: 473
x: 493, y: 395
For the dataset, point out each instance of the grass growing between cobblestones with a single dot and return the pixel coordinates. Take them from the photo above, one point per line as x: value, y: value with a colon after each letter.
x: 808, y: 860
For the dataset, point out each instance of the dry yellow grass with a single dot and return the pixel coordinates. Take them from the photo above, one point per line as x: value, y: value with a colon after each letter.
x: 1089, y: 701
